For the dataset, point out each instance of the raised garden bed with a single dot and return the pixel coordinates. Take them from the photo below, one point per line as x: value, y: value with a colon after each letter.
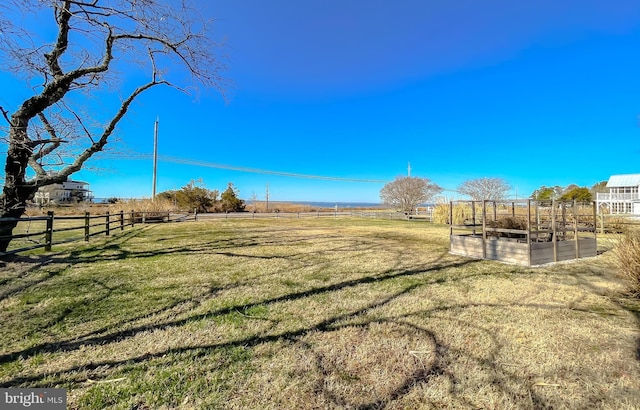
x: 527, y: 233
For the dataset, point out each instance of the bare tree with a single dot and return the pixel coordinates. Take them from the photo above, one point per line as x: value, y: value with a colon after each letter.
x: 50, y: 134
x: 485, y: 188
x: 405, y: 193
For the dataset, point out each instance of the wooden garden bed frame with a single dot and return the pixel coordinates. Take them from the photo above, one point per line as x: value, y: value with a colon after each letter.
x: 548, y: 231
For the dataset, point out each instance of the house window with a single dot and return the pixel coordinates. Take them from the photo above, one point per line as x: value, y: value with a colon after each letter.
x: 618, y: 207
x: 621, y: 208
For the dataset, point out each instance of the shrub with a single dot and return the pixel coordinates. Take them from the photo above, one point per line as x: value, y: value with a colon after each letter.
x: 192, y: 196
x: 627, y: 258
x: 461, y: 213
x: 615, y: 224
x: 143, y: 205
x: 230, y: 201
x: 441, y: 214
x: 508, y: 222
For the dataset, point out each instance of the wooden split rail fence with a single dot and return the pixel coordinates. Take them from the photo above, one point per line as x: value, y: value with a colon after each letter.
x: 45, y: 231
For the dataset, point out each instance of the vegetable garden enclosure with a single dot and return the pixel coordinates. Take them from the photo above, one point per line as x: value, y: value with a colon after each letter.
x: 526, y: 232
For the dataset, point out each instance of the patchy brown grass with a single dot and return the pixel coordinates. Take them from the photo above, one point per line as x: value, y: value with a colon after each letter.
x: 627, y: 257
x: 315, y: 313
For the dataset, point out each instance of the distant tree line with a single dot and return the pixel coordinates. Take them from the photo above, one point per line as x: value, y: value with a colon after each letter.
x: 569, y: 193
x: 405, y: 193
x: 196, y: 196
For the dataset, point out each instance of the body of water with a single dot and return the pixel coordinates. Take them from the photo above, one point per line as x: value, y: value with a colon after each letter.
x: 314, y: 204
x: 341, y: 205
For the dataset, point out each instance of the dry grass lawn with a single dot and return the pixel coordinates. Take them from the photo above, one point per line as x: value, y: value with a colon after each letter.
x: 314, y: 313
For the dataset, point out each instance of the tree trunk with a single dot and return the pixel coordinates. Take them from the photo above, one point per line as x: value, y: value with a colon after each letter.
x: 16, y: 191
x: 6, y: 228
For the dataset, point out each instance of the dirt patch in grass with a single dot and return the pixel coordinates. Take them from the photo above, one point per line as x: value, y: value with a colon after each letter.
x: 340, y: 313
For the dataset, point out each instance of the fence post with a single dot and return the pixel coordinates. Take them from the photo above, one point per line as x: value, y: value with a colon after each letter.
x: 195, y: 214
x: 133, y: 218
x: 122, y: 220
x: 595, y: 220
x: 575, y: 227
x: 107, y: 217
x: 144, y: 217
x: 49, y: 232
x: 86, y: 226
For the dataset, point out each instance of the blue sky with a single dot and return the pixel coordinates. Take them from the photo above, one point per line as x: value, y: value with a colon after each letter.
x: 537, y: 93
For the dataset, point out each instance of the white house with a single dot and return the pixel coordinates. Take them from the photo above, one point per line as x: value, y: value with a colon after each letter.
x: 66, y: 192
x: 623, y: 196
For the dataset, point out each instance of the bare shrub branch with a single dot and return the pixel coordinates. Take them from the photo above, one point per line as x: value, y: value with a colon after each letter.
x: 627, y: 258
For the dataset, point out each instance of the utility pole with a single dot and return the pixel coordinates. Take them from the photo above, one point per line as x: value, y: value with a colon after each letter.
x: 409, y: 169
x: 155, y: 159
x: 266, y: 196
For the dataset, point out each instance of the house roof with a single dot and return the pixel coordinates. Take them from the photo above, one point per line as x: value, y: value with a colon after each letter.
x: 72, y: 181
x: 623, y: 180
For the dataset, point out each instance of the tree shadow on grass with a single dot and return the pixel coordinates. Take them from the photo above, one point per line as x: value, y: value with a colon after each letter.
x: 624, y: 300
x: 631, y: 303
x: 29, y: 275
x: 502, y: 379
x: 61, y: 261
x: 92, y: 339
x: 444, y: 356
x: 28, y: 267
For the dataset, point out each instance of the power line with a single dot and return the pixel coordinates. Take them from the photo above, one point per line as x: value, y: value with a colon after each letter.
x: 185, y: 161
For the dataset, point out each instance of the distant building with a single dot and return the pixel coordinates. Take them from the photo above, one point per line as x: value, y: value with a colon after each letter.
x: 623, y: 196
x: 68, y: 192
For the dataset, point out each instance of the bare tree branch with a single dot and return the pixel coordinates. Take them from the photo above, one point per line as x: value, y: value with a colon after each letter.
x: 405, y: 193
x: 99, y: 145
x: 485, y: 188
x: 81, y: 123
x: 55, y: 141
x: 63, y: 14
x: 5, y: 114
x: 93, y: 38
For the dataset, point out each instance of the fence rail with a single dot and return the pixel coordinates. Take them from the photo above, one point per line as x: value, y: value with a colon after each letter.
x: 38, y: 232
x: 315, y: 214
x: 45, y: 231
x: 610, y: 223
